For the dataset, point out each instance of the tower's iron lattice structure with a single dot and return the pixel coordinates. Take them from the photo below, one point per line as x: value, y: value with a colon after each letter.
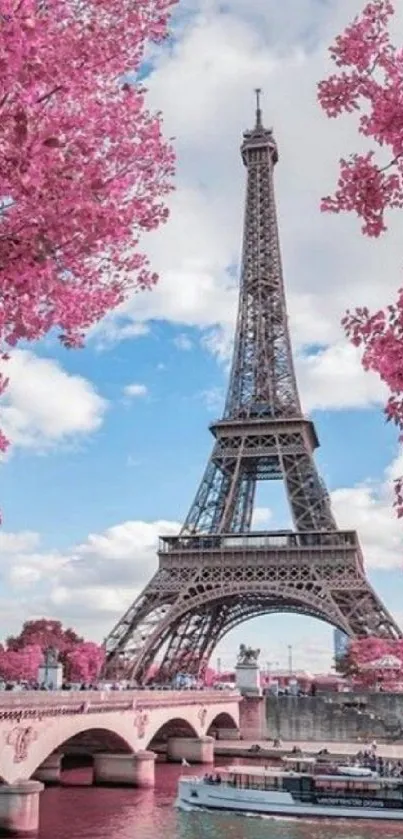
x: 217, y: 573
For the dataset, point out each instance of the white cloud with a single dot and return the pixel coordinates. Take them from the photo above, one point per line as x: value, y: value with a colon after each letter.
x: 90, y: 585
x: 369, y: 510
x: 213, y: 399
x: 28, y: 570
x: 44, y: 405
x: 333, y: 378
x: 12, y: 543
x: 183, y: 342
x: 261, y: 516
x: 116, y: 328
x: 135, y: 390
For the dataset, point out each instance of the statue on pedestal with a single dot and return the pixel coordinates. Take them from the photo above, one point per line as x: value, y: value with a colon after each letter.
x: 50, y: 673
x: 51, y: 657
x: 247, y: 655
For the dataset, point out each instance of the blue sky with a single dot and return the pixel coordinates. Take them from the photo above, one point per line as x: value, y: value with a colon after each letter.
x: 110, y: 442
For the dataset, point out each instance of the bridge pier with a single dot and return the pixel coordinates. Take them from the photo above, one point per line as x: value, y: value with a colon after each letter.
x: 134, y: 770
x: 19, y: 808
x: 192, y: 749
x: 252, y: 722
x: 49, y: 771
x: 228, y: 734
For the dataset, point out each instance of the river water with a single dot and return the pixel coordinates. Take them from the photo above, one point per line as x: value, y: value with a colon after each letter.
x: 76, y: 810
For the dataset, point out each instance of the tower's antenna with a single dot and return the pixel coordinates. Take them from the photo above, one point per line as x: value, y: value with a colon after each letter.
x: 258, y: 92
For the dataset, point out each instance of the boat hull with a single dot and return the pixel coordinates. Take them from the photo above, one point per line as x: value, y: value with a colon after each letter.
x: 259, y: 802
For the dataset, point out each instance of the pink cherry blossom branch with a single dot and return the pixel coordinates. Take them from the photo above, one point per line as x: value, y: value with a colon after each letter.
x: 72, y: 166
x: 367, y: 189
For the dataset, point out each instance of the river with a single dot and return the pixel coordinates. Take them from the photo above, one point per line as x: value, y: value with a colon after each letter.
x: 76, y: 810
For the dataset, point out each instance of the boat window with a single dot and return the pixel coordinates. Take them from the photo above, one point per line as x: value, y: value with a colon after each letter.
x: 193, y: 793
x: 292, y: 784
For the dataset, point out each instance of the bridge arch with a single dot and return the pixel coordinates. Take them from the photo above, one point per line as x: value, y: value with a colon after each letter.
x: 46, y: 739
x: 222, y: 721
x: 202, y: 720
x: 93, y: 740
x: 166, y: 720
x: 175, y: 727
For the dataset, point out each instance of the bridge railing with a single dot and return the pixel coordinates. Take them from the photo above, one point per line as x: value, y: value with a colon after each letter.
x: 111, y: 700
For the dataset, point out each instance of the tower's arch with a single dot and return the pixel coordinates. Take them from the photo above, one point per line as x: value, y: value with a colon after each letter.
x: 216, y: 613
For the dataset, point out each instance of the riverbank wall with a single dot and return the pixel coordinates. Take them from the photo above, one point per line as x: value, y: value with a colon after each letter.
x: 358, y: 718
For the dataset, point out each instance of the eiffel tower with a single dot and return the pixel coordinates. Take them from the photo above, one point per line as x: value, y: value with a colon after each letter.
x: 217, y: 572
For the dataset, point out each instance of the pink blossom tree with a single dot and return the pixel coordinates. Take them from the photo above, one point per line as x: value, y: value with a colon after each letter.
x: 372, y: 661
x: 369, y: 81
x: 44, y: 633
x: 21, y: 665
x: 84, y: 166
x: 84, y: 662
x: 210, y: 677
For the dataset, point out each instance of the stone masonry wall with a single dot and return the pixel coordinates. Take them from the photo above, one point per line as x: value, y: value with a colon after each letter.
x: 331, y: 717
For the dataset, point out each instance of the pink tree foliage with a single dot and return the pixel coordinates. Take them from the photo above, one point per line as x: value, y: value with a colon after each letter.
x: 152, y: 672
x: 84, y: 166
x: 84, y: 662
x: 21, y: 665
x: 372, y: 661
x: 369, y: 82
x: 210, y: 677
x: 44, y: 633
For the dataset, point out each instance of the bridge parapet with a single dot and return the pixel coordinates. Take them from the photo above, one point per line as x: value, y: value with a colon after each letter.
x: 33, y: 704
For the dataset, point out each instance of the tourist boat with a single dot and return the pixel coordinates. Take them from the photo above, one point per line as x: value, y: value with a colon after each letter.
x: 345, y: 792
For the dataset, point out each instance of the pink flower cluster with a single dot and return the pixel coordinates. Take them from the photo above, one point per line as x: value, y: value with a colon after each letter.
x: 367, y: 190
x: 84, y: 167
x: 370, y: 81
x: 369, y: 662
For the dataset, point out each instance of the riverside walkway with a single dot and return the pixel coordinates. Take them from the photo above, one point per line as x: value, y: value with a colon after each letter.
x: 230, y: 748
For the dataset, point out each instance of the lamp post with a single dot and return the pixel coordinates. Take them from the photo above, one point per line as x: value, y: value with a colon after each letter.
x: 290, y: 668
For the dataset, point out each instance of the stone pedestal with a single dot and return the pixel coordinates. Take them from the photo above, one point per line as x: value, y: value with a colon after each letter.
x: 51, y: 675
x: 49, y: 771
x: 248, y: 679
x: 122, y: 770
x: 192, y: 749
x: 19, y: 808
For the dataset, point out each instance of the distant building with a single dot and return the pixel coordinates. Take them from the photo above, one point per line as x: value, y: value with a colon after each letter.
x: 341, y: 643
x: 278, y: 682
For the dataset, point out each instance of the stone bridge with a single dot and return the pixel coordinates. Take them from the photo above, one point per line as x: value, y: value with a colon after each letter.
x: 37, y: 727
